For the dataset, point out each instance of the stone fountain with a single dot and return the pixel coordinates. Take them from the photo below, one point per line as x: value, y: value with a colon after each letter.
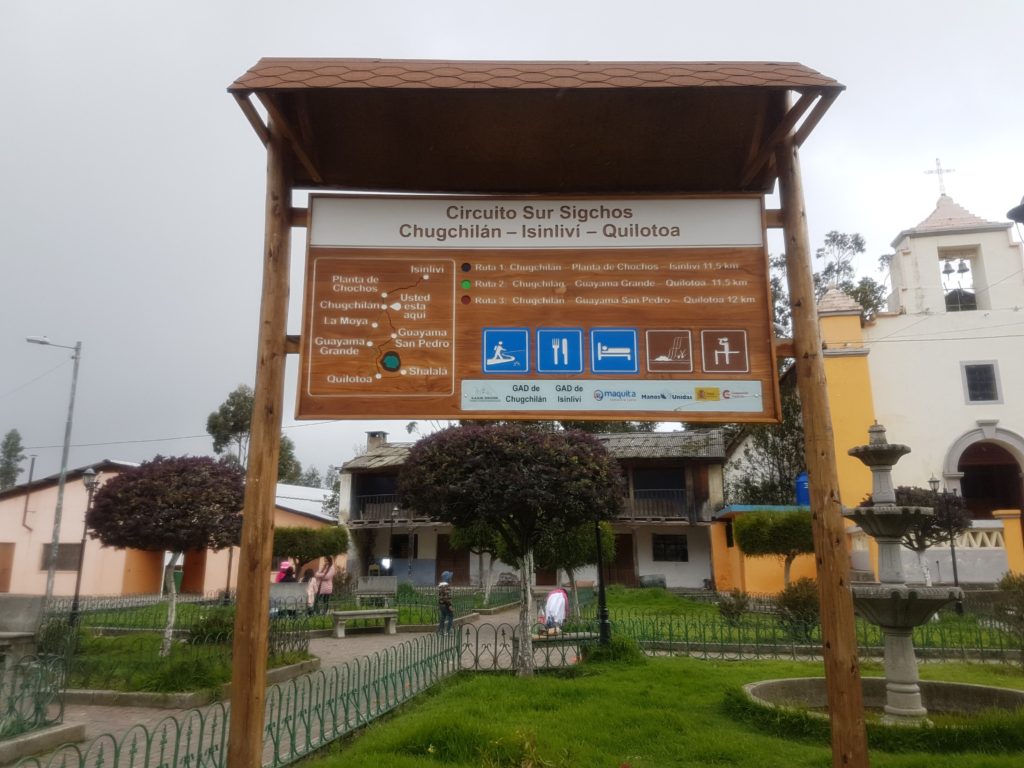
x: 895, y: 607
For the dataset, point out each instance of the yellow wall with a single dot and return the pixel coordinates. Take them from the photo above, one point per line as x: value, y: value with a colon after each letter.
x: 725, y: 571
x: 848, y: 380
x: 1012, y: 537
x: 757, y: 575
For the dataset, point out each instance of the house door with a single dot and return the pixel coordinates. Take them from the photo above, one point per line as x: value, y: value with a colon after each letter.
x: 6, y: 566
x: 546, y: 577
x: 450, y: 560
x: 622, y: 570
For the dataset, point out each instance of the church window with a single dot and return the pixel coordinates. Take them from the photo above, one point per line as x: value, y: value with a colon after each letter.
x: 958, y: 279
x: 981, y: 382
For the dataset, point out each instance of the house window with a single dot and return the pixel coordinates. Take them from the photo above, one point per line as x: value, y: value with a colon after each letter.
x: 981, y: 382
x: 403, y: 546
x: 730, y: 542
x: 670, y: 548
x: 67, y: 557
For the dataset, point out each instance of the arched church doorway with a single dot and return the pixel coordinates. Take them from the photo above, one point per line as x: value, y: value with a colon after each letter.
x: 991, y: 479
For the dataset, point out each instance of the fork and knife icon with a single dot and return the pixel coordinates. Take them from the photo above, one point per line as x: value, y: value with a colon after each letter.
x: 560, y: 345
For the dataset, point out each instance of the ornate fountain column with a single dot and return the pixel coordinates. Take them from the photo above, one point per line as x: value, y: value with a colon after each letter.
x: 891, y: 604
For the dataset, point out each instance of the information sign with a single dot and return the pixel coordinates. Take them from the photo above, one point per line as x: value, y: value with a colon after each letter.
x: 640, y: 309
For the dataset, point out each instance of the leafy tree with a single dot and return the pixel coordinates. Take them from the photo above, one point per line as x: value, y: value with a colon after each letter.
x: 517, y: 481
x: 12, y: 453
x: 289, y: 470
x: 767, y: 467
x: 949, y: 519
x: 838, y: 253
x: 229, y: 427
x: 303, y: 545
x: 175, y: 504
x: 332, y: 502
x: 775, y: 534
x: 782, y: 315
x: 572, y: 549
x: 311, y: 478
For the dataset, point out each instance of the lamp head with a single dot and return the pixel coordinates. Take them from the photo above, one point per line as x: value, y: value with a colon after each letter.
x: 37, y: 339
x: 90, y: 478
x: 1017, y: 214
x: 933, y: 483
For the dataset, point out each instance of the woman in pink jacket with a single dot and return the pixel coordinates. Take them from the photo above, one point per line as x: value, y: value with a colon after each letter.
x: 324, y: 580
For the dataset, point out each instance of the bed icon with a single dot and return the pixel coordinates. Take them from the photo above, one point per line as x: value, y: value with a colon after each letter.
x: 613, y: 350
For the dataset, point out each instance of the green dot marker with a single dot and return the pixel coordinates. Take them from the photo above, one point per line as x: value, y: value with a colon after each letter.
x: 466, y: 285
x: 391, y: 361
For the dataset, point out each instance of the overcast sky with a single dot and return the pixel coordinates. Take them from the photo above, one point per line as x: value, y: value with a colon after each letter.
x: 132, y: 188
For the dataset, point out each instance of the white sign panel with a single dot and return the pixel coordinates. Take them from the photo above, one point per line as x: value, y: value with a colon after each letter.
x: 499, y: 223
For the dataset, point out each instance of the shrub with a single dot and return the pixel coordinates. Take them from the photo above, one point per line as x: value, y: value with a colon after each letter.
x: 1011, y: 603
x: 407, y: 593
x: 798, y: 609
x: 732, y: 606
x: 55, y: 637
x: 214, y: 625
x: 619, y: 649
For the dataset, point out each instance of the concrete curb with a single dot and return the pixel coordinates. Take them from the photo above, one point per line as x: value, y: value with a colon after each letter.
x: 42, y: 740
x: 190, y: 700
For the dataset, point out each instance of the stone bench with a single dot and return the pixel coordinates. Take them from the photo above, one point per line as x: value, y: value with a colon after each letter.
x: 288, y: 598
x: 373, y: 588
x: 390, y: 616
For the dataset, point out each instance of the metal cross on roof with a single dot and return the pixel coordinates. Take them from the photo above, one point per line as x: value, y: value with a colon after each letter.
x: 939, y: 170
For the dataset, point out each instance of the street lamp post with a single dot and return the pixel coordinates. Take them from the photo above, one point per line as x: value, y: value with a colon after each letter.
x: 55, y: 541
x: 90, y: 480
x: 934, y: 483
x: 603, y: 624
x: 389, y: 561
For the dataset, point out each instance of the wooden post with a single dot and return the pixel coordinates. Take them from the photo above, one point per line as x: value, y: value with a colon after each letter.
x: 839, y: 639
x: 249, y: 671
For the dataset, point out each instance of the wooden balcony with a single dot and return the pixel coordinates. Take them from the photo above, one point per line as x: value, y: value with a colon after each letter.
x: 645, y: 505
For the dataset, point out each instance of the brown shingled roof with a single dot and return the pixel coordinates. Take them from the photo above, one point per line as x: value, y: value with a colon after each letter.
x: 274, y: 73
x: 697, y: 444
x: 534, y: 127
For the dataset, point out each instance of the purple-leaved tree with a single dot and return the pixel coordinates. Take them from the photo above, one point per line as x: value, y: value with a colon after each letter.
x: 175, y: 504
x: 521, y: 482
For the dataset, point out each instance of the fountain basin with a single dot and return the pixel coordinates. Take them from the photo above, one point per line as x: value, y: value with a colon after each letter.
x: 886, y: 521
x: 879, y: 454
x: 809, y: 693
x: 899, y: 607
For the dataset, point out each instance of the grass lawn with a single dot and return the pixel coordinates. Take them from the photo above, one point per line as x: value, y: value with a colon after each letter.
x: 663, y: 712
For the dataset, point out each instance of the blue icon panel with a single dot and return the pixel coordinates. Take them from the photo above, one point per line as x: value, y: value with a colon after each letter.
x: 506, y: 350
x: 614, y: 350
x: 559, y: 350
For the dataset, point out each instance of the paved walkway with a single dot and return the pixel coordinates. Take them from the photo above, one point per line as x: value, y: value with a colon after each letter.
x: 118, y: 720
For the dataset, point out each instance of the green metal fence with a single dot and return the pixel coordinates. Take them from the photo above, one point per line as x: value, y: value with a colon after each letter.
x: 31, y: 692
x: 310, y: 711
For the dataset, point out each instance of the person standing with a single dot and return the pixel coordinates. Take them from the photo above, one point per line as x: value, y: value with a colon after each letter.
x: 444, y: 602
x: 324, y: 584
x: 311, y: 589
